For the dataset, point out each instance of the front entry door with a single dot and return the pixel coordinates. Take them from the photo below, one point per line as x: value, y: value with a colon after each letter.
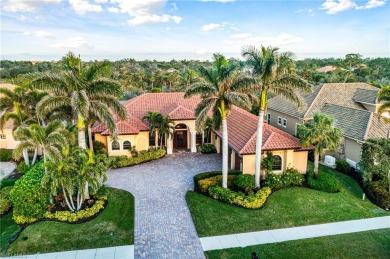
x: 180, y: 139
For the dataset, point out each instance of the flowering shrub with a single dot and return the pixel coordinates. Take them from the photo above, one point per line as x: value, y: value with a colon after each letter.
x: 251, y: 201
x: 290, y: 177
x: 205, y: 175
x: 205, y: 184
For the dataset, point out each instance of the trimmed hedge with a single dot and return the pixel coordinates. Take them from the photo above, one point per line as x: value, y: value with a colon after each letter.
x: 211, y: 174
x: 379, y: 191
x: 290, y: 177
x: 7, y: 182
x: 342, y: 166
x: 245, y: 182
x: 325, y: 182
x: 5, y: 202
x: 30, y: 200
x: 207, y: 149
x: 251, y: 201
x: 5, y: 155
x: 205, y: 184
x: 143, y: 156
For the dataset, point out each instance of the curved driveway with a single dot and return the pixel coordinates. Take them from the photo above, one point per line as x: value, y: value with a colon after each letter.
x: 163, y: 223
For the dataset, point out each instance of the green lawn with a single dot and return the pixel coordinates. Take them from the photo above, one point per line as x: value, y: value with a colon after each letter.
x: 8, y: 229
x: 113, y: 227
x: 289, y: 207
x: 370, y: 244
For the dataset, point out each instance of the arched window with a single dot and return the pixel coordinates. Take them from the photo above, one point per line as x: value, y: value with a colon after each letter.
x: 126, y: 145
x: 115, y: 145
x: 277, y: 163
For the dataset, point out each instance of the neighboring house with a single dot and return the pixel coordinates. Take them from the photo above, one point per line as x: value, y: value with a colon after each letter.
x: 242, y: 127
x: 326, y: 69
x: 352, y: 105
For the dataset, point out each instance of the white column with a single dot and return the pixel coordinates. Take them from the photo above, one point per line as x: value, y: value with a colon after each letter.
x: 169, y: 145
x: 232, y: 160
x: 193, y: 141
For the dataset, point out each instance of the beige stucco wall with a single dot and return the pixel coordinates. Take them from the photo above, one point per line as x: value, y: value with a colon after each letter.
x: 300, y: 161
x: 103, y: 139
x: 371, y: 107
x: 140, y: 141
x: 9, y: 142
x: 291, y: 121
x: 352, y: 149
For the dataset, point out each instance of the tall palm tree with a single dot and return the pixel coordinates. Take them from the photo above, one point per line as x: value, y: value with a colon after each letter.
x: 274, y: 72
x: 154, y: 120
x: 166, y: 128
x: 51, y: 139
x: 321, y: 133
x: 384, y: 95
x: 188, y: 76
x: 222, y: 87
x: 86, y: 92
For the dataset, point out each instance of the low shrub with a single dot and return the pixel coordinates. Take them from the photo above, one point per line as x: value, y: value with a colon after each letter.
x: 290, y: 177
x: 244, y: 182
x: 143, y: 156
x: 5, y: 202
x: 99, y: 147
x: 23, y: 168
x: 69, y: 216
x: 342, y: 166
x: 5, y: 155
x: 325, y: 182
x: 29, y: 199
x: 251, y: 201
x: 7, y: 182
x: 379, y: 192
x: 204, y: 184
x: 210, y: 174
x: 207, y: 149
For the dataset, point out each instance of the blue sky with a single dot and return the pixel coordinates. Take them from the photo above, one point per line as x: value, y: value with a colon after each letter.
x: 163, y: 30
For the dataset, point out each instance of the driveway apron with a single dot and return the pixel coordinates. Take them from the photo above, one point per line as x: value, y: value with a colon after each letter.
x: 163, y: 223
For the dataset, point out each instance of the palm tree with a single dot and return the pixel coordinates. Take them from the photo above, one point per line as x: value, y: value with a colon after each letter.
x: 384, y: 95
x: 51, y: 139
x: 86, y: 92
x: 220, y: 90
x: 274, y: 72
x: 154, y: 120
x: 321, y: 133
x: 166, y: 128
x: 188, y: 76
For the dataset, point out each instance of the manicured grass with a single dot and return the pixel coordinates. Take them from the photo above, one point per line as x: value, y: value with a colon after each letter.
x: 113, y: 227
x: 7, y: 230
x: 285, y: 208
x: 370, y: 244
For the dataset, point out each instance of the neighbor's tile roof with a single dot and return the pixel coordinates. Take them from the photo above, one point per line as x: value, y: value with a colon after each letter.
x: 365, y: 96
x: 378, y: 128
x: 242, y: 132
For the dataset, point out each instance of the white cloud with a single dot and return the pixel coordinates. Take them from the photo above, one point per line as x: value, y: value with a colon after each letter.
x: 240, y: 35
x: 336, y: 6
x: 280, y: 40
x: 22, y: 18
x: 219, y: 1
x: 101, y: 1
x: 28, y: 6
x: 113, y: 10
x: 372, y: 4
x: 154, y: 18
x: 211, y: 26
x: 72, y: 43
x: 308, y: 11
x: 82, y: 7
x: 39, y: 34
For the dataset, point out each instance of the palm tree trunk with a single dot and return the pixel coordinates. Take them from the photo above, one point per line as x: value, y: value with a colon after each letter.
x: 316, y: 161
x: 66, y: 199
x: 224, y: 153
x: 81, y: 132
x: 25, y: 157
x: 259, y: 138
x: 90, y: 136
x: 35, y: 156
x: 156, y: 139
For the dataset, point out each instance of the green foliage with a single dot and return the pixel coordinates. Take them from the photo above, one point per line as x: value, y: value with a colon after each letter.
x: 342, y: 166
x: 156, y: 90
x: 143, y: 156
x: 207, y: 149
x: 7, y: 182
x: 324, y: 182
x: 245, y: 182
x: 22, y: 167
x: 379, y: 191
x: 5, y: 155
x: 204, y: 184
x: 99, y: 147
x: 268, y: 162
x: 205, y: 175
x: 375, y: 159
x: 290, y: 177
x: 30, y: 200
x: 251, y: 201
x: 5, y: 202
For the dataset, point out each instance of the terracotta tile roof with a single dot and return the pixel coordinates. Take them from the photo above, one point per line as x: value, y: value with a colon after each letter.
x: 179, y: 112
x: 378, y: 128
x: 242, y: 127
x: 123, y: 128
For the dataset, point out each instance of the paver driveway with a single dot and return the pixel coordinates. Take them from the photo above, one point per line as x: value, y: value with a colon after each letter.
x: 163, y: 223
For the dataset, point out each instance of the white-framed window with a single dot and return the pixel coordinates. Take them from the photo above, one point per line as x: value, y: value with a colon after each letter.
x: 269, y: 118
x: 115, y: 145
x: 277, y: 166
x: 279, y: 121
x: 3, y: 136
x: 284, y: 123
x: 126, y: 145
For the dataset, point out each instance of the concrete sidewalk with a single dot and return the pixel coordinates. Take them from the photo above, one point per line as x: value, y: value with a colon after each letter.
x: 116, y: 252
x: 286, y: 234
